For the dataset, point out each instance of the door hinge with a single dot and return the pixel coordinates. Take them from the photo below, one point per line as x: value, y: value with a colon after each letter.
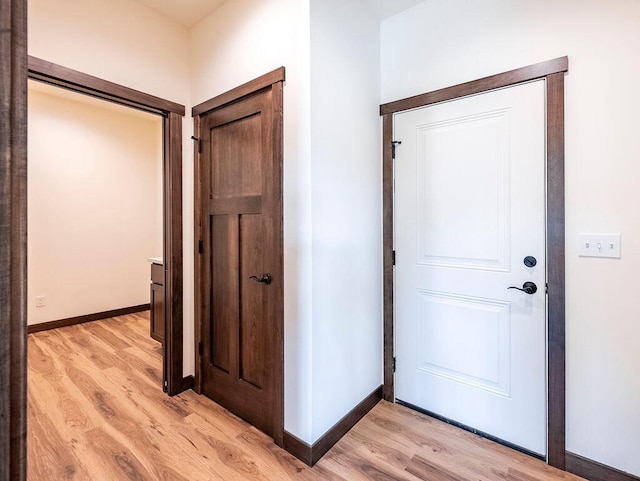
x: 546, y: 288
x: 394, y: 364
x: 199, y: 143
x: 393, y: 258
x: 200, y: 247
x: 393, y: 147
x: 200, y: 348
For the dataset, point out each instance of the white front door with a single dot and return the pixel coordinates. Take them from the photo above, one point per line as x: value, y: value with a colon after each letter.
x: 469, y: 209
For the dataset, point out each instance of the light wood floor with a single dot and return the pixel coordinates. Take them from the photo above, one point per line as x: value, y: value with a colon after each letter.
x: 96, y: 412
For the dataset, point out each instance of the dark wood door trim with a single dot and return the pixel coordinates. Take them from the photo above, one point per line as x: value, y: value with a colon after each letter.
x: 553, y: 72
x: 555, y: 272
x: 172, y: 114
x: 387, y: 259
x: 248, y: 88
x: 198, y: 247
x: 13, y: 239
x: 67, y: 78
x: 274, y: 81
x: 485, y: 84
x: 173, y: 255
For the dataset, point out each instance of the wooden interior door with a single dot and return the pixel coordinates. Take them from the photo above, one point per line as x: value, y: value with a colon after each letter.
x: 241, y: 363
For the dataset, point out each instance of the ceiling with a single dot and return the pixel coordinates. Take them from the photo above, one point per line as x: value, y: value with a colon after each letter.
x: 388, y: 8
x: 190, y: 12
x: 185, y: 12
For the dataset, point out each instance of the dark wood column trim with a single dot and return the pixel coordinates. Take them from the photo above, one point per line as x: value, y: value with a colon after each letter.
x: 553, y: 72
x: 64, y: 77
x: 13, y: 239
x: 253, y: 86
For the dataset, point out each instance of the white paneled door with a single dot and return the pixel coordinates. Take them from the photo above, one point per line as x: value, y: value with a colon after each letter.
x: 469, y: 224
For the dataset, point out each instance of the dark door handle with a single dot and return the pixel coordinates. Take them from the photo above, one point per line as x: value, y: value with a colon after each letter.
x: 528, y: 287
x: 265, y: 279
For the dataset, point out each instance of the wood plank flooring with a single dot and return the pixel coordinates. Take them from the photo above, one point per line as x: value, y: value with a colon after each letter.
x: 97, y: 412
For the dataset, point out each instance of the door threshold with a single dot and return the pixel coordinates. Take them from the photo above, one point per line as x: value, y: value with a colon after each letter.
x: 473, y: 430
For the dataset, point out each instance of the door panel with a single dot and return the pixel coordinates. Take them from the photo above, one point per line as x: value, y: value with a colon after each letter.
x: 221, y: 300
x: 450, y: 325
x: 157, y: 312
x: 252, y: 327
x: 477, y: 192
x: 241, y: 209
x: 236, y: 148
x: 469, y: 207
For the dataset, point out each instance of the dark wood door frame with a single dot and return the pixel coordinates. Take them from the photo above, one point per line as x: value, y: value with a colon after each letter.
x: 273, y: 80
x: 172, y: 114
x: 13, y: 240
x: 552, y: 72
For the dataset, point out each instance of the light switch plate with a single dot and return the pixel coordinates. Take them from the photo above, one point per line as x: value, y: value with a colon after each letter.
x: 599, y: 245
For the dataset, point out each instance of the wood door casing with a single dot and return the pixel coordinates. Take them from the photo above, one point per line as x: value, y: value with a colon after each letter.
x: 13, y: 240
x: 553, y: 72
x: 172, y: 113
x: 240, y: 225
x: 467, y: 347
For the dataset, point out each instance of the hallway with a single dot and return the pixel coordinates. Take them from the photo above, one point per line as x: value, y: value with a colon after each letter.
x: 96, y: 412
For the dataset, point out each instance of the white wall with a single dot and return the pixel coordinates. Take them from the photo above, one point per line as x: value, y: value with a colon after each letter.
x: 332, y: 187
x: 117, y: 40
x: 132, y: 45
x: 346, y: 186
x: 240, y: 41
x: 437, y: 44
x: 94, y: 204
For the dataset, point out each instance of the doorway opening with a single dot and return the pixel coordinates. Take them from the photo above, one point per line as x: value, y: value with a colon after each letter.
x: 239, y: 264
x: 171, y: 114
x: 95, y: 207
x: 552, y: 72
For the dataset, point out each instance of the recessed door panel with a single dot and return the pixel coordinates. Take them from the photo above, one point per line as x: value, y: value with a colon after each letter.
x: 465, y: 340
x: 237, y: 157
x: 477, y: 193
x: 221, y: 317
x: 252, y: 302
